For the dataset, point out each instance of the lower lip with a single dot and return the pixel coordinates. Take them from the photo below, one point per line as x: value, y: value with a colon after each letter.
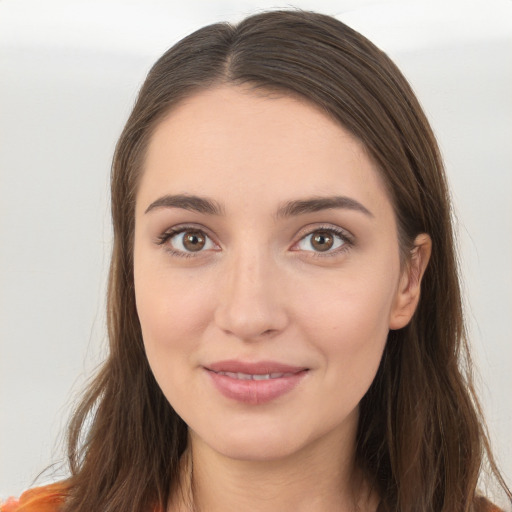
x: 255, y: 392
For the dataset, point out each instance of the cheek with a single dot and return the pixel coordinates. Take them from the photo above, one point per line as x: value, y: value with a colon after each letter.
x: 349, y: 305
x: 348, y: 323
x: 173, y: 316
x: 173, y: 310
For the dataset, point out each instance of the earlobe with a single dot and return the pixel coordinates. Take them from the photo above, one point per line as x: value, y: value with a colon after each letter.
x: 408, y: 292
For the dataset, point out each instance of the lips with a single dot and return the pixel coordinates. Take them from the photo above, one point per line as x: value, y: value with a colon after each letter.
x: 256, y: 382
x: 254, y: 376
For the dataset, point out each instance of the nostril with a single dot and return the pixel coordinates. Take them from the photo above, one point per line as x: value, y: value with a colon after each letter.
x: 247, y: 307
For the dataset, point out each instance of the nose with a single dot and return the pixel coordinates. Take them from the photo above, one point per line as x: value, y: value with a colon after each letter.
x: 249, y: 300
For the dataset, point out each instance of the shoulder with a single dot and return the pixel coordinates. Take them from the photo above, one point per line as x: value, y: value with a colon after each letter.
x: 482, y: 504
x: 48, y: 498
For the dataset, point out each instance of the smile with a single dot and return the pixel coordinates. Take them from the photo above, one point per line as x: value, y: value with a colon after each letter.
x: 254, y: 376
x: 254, y: 383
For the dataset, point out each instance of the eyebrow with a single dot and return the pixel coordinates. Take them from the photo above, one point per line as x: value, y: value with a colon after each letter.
x: 288, y: 209
x: 186, y: 202
x: 316, y: 204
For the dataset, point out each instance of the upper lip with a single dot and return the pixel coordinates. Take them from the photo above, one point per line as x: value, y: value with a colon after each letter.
x: 253, y: 368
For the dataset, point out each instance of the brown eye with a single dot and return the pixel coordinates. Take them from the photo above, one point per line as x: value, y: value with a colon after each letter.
x: 193, y: 240
x: 322, y: 240
x: 187, y: 241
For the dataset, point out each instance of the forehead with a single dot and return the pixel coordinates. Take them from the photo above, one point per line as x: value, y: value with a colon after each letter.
x: 232, y: 143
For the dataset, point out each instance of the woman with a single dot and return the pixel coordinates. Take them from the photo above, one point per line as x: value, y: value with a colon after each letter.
x: 285, y: 317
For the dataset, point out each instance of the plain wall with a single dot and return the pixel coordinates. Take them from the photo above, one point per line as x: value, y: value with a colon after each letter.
x: 69, y: 72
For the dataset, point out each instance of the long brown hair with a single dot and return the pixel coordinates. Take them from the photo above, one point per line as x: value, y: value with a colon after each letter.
x: 421, y: 439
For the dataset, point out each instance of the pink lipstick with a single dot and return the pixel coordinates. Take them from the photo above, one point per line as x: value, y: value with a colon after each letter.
x: 254, y: 383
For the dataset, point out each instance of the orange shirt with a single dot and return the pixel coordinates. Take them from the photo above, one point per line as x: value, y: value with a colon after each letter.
x: 40, y: 499
x: 49, y: 498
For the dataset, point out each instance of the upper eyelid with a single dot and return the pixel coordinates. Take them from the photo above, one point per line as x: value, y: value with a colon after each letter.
x: 165, y: 237
x: 347, y: 237
x: 308, y: 230
x: 168, y: 233
x: 180, y: 228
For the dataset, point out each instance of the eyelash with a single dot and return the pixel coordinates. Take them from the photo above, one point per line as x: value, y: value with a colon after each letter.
x: 345, y: 237
x: 170, y: 233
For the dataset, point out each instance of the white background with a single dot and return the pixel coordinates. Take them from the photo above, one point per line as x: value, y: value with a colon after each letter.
x: 69, y: 72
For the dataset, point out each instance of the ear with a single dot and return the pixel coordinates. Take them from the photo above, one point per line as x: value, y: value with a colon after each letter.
x: 408, y: 292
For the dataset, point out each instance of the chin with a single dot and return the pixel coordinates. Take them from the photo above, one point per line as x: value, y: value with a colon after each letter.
x: 258, y: 451
x: 264, y: 443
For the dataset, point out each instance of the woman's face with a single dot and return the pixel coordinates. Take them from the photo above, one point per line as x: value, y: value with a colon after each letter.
x: 267, y: 272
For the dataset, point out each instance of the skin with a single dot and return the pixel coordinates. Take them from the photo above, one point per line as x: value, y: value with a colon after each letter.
x: 259, y: 289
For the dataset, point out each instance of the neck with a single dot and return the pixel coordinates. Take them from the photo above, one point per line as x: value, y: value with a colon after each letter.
x: 320, y: 477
